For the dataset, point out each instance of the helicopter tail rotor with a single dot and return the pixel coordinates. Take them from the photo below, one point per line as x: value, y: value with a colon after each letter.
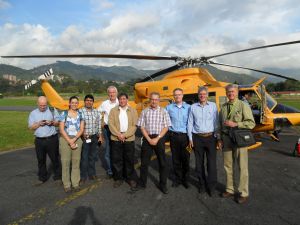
x: 45, y: 76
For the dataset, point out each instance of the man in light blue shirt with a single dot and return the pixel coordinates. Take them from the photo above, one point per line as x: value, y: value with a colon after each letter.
x: 43, y: 122
x: 202, y: 132
x: 179, y: 112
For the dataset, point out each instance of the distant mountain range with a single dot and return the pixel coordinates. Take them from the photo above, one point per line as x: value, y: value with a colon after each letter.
x: 118, y: 73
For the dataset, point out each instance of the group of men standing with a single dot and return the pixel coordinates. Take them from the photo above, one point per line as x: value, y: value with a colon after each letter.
x: 199, y: 127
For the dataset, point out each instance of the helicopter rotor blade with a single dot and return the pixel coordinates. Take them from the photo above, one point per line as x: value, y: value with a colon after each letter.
x: 260, y: 71
x: 251, y: 49
x: 116, y: 56
x: 161, y: 72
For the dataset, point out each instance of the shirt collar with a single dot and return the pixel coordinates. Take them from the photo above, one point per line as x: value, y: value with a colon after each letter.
x: 110, y: 102
x: 207, y: 103
x: 183, y: 105
x: 232, y: 103
x: 154, y: 109
x: 126, y: 108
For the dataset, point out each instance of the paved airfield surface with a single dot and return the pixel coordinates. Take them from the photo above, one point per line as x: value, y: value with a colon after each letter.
x: 274, y: 194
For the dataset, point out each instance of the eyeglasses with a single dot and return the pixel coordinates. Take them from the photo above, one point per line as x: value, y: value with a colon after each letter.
x: 153, y: 99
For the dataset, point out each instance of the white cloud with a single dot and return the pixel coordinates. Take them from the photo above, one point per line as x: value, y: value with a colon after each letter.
x: 100, y: 5
x: 183, y: 28
x: 4, y: 4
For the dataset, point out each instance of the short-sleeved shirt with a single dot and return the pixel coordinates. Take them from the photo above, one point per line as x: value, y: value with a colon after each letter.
x: 92, y: 121
x: 72, y: 125
x: 154, y: 120
x: 105, y: 108
x: 36, y: 116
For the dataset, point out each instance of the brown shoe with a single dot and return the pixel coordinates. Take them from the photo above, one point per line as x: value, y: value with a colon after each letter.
x: 82, y: 182
x: 117, y: 183
x: 227, y: 194
x: 77, y: 188
x: 242, y: 200
x: 133, y: 185
x: 93, y: 177
x: 67, y: 189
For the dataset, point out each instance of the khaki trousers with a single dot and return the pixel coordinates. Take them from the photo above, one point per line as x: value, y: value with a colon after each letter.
x: 231, y: 156
x: 69, y: 156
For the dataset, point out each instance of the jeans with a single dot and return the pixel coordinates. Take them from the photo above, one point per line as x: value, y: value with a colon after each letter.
x: 88, y: 158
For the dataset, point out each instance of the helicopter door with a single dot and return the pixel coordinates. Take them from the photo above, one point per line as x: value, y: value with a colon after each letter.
x: 263, y: 103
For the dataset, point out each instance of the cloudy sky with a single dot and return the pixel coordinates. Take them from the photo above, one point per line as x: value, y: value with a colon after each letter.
x: 156, y: 27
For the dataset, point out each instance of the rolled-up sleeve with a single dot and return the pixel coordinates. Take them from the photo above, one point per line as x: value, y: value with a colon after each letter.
x: 141, y: 120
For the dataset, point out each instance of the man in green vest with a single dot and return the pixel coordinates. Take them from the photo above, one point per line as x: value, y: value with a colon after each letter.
x: 235, y: 114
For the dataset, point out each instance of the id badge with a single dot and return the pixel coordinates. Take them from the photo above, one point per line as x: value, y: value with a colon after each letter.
x: 88, y: 140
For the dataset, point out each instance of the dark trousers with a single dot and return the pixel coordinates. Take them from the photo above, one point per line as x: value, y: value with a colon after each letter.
x: 207, y: 146
x: 180, y: 156
x: 50, y: 146
x: 146, y: 153
x: 88, y: 158
x: 107, y: 146
x: 122, y: 158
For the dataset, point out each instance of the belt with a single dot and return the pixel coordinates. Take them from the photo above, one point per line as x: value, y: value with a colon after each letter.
x: 177, y: 133
x: 205, y: 134
x: 153, y: 135
x: 45, y: 138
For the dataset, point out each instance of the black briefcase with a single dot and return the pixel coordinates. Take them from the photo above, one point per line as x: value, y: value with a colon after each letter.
x: 242, y: 137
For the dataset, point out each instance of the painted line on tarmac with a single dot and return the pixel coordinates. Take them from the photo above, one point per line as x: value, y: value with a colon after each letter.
x: 60, y: 203
x: 14, y: 150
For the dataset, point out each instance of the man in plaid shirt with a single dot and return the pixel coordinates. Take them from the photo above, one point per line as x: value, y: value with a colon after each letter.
x: 154, y: 123
x: 91, y: 137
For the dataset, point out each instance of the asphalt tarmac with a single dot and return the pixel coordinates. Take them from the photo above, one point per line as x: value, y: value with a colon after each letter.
x: 274, y: 194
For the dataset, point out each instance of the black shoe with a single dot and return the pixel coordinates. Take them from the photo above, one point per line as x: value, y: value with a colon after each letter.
x: 186, y: 184
x: 175, y: 184
x: 118, y: 183
x: 201, y: 189
x: 164, y: 189
x: 39, y: 183
x: 141, y: 187
x: 212, y: 193
x: 108, y: 176
x: 94, y: 177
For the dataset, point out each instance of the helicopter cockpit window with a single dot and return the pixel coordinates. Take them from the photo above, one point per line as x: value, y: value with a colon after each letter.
x: 251, y: 98
x: 270, y: 102
x: 193, y: 98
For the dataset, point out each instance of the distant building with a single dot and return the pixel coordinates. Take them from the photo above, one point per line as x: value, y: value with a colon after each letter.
x: 285, y: 93
x: 11, y: 78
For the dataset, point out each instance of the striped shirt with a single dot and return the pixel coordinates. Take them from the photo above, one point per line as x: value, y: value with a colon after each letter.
x: 154, y: 120
x: 92, y: 121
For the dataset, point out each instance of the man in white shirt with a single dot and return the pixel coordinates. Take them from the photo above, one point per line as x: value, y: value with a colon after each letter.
x: 122, y: 125
x: 105, y: 108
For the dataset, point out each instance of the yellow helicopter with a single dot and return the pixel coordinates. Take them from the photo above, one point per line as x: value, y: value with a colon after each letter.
x: 189, y: 74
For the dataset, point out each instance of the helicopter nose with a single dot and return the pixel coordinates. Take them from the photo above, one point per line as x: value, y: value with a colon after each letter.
x: 280, y: 108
